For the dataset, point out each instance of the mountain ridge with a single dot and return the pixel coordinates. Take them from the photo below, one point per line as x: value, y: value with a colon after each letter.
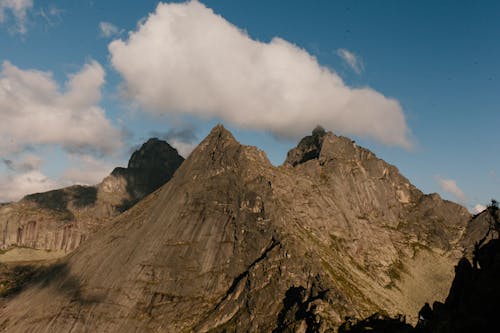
x: 232, y: 243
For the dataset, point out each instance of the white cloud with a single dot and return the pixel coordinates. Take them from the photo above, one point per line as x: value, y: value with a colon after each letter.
x: 352, y: 60
x: 450, y: 186
x: 183, y: 148
x: 478, y: 208
x: 23, y: 175
x: 86, y: 170
x: 34, y: 111
x: 108, y: 29
x: 19, y: 10
x: 13, y: 187
x: 185, y: 59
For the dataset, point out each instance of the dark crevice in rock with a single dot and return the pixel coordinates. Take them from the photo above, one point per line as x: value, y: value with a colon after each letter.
x: 244, y: 274
x: 228, y: 302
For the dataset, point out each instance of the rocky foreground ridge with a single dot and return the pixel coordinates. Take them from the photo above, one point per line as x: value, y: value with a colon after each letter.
x: 473, y: 301
x: 60, y: 220
x: 234, y: 244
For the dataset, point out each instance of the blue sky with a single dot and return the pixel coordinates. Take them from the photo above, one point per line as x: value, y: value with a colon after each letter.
x: 435, y: 63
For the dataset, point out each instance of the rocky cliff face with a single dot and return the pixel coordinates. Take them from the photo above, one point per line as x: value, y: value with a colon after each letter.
x: 60, y: 220
x: 233, y: 244
x: 472, y: 302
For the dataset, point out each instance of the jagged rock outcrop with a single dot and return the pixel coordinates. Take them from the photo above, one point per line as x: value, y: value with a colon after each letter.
x: 60, y: 220
x: 234, y: 244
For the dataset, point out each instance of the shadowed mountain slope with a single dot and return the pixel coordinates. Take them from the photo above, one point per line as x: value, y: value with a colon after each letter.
x: 232, y: 243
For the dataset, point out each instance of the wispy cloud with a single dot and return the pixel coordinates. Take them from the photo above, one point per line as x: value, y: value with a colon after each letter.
x: 450, y: 186
x: 52, y: 15
x: 19, y: 10
x: 185, y: 59
x: 352, y: 60
x: 108, y: 30
x: 27, y: 162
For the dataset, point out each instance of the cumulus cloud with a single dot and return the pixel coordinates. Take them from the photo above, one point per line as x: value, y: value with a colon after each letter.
x: 34, y: 111
x: 18, y: 9
x: 15, y: 186
x: 185, y: 59
x: 478, y: 208
x: 450, y: 186
x: 108, y: 29
x: 86, y: 170
x: 352, y: 60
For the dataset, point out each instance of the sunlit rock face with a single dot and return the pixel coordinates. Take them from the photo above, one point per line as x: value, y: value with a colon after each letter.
x: 232, y: 243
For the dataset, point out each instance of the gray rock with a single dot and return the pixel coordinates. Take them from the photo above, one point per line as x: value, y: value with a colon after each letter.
x: 234, y: 244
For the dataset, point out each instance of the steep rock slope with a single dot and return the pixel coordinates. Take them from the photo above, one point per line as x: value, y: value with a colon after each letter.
x: 60, y: 220
x: 232, y: 243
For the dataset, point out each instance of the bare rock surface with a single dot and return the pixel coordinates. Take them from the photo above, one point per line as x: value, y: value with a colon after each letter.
x: 234, y: 244
x: 60, y: 220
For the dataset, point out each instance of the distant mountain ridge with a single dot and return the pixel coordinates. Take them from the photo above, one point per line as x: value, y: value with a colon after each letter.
x: 232, y: 243
x: 59, y: 220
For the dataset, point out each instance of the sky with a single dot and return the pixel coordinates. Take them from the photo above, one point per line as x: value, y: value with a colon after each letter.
x: 84, y: 83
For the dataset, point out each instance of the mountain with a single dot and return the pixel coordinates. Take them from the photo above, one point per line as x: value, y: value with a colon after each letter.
x: 473, y: 301
x: 233, y: 244
x: 59, y: 220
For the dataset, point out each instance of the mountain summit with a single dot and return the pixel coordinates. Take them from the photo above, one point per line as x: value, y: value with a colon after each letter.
x: 232, y: 243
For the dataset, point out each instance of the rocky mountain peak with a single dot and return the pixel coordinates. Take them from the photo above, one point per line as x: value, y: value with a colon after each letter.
x: 308, y: 148
x: 218, y: 147
x: 218, y: 138
x: 325, y: 145
x: 154, y: 153
x: 220, y: 152
x: 148, y: 168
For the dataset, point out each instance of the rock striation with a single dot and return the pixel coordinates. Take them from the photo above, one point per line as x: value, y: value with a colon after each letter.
x: 233, y: 244
x: 60, y: 220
